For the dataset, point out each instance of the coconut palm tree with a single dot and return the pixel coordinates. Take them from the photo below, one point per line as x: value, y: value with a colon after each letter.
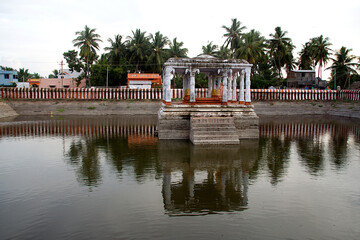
x: 88, y: 42
x: 306, y: 60
x: 343, y: 66
x: 139, y: 47
x: 233, y: 34
x: 23, y: 75
x: 280, y: 46
x: 158, y: 52
x: 252, y: 47
x: 321, y: 51
x: 177, y: 50
x: 117, y: 50
x: 210, y: 49
x: 223, y: 53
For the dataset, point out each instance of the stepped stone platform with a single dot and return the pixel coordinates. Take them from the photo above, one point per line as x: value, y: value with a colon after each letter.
x: 208, y: 124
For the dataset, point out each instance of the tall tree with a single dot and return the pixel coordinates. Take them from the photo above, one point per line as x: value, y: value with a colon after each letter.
x: 54, y: 74
x: 252, y: 48
x: 116, y: 51
x: 306, y: 60
x: 233, y: 34
x: 24, y: 75
x: 223, y: 53
x: 210, y: 49
x: 343, y: 67
x: 177, y: 50
x: 321, y: 52
x: 139, y: 47
x: 158, y: 52
x: 88, y: 42
x: 280, y: 47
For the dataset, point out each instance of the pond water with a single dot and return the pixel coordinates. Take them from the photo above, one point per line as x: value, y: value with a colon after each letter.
x: 110, y: 178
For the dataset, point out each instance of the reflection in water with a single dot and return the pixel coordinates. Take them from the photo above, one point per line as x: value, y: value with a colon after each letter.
x: 202, y: 180
x: 196, y: 179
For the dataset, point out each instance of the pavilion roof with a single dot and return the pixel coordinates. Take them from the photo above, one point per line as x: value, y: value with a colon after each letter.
x: 206, y: 63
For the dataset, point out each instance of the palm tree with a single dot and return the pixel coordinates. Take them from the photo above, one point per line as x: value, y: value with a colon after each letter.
x: 88, y: 42
x: 306, y: 61
x: 280, y: 46
x: 223, y: 53
x: 177, y: 50
x: 23, y: 74
x: 252, y: 47
x: 321, y: 52
x: 233, y: 34
x: 210, y: 49
x: 54, y: 74
x: 158, y: 52
x: 139, y: 47
x: 343, y: 66
x: 116, y: 50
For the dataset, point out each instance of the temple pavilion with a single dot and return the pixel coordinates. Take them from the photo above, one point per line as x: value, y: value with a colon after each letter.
x: 224, y: 116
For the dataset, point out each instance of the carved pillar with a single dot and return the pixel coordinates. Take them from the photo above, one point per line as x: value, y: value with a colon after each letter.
x: 186, y: 85
x: 234, y: 95
x: 167, y: 85
x: 192, y: 73
x: 210, y: 84
x: 167, y: 188
x: 241, y: 92
x: 247, y: 90
x: 230, y: 79
x: 225, y: 89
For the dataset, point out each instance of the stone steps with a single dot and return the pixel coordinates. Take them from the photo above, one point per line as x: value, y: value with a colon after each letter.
x: 213, y: 130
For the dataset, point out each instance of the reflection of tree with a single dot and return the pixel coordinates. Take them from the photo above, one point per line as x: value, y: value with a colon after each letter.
x: 338, y: 146
x: 275, y: 152
x: 311, y: 152
x: 85, y: 156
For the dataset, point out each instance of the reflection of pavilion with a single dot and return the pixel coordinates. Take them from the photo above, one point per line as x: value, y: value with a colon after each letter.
x: 228, y: 116
x: 200, y: 180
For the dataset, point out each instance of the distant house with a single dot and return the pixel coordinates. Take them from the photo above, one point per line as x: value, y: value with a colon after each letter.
x: 55, y: 83
x: 68, y: 74
x: 304, y: 79
x: 143, y: 80
x: 8, y: 78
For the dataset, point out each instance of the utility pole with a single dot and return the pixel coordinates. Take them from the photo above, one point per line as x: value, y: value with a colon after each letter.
x: 62, y: 73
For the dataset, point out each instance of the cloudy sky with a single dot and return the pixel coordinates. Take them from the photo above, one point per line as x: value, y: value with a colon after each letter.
x: 35, y: 33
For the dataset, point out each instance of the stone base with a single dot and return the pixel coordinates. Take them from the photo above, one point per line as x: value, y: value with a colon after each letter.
x: 174, y: 120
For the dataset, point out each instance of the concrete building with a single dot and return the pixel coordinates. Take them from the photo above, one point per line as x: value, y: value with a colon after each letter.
x: 68, y: 74
x: 8, y: 78
x: 304, y: 79
x: 143, y: 80
x: 56, y: 83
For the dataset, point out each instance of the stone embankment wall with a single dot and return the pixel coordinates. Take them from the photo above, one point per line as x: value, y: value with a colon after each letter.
x: 150, y: 107
x: 6, y: 111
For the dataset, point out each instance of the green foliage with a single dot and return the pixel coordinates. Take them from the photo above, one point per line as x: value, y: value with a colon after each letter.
x: 345, y: 69
x: 201, y: 81
x: 117, y: 74
x: 210, y: 49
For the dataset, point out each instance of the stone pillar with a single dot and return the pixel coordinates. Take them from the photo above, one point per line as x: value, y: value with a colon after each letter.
x: 186, y: 86
x: 192, y: 73
x: 167, y: 85
x: 230, y: 79
x: 210, y: 84
x: 247, y: 90
x: 241, y: 92
x: 234, y: 95
x: 225, y: 89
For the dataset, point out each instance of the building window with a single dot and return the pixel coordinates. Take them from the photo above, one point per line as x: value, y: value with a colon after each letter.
x: 66, y: 86
x: 52, y: 86
x: 6, y: 76
x: 15, y: 76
